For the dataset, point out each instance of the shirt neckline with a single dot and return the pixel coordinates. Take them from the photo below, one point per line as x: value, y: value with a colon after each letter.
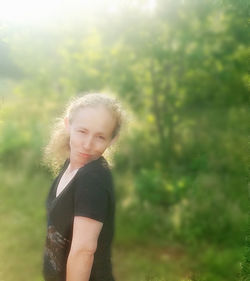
x: 56, y: 198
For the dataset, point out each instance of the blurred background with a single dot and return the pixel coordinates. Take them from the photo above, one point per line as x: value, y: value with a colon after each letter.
x: 180, y: 169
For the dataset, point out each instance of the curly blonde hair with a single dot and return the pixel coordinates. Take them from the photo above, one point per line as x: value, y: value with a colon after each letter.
x: 58, y: 150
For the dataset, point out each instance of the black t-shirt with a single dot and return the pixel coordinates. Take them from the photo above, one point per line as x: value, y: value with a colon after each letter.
x: 90, y: 194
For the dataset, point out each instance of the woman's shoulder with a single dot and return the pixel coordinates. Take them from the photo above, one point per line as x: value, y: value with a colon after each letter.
x: 100, y: 163
x: 96, y: 173
x: 98, y: 168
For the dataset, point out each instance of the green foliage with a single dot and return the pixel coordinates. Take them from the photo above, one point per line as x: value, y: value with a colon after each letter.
x: 210, y: 215
x: 180, y: 167
x: 245, y: 267
x: 150, y: 188
x: 155, y: 189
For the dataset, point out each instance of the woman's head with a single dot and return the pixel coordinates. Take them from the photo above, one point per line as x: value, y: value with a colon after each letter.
x: 89, y: 125
x: 93, y: 101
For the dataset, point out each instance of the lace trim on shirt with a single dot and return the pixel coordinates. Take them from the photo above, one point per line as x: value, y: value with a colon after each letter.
x: 55, y: 249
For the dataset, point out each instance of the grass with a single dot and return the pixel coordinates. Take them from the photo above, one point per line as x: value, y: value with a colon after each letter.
x: 175, y: 263
x: 22, y: 224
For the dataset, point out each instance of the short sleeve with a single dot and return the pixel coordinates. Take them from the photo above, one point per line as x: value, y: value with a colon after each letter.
x: 91, y: 197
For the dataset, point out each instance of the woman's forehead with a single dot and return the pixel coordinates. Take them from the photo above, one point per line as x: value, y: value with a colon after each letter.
x: 97, y: 117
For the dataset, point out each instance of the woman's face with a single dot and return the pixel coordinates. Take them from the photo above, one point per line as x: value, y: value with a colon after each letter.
x: 90, y: 134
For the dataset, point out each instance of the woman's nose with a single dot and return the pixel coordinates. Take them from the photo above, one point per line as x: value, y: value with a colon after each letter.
x: 88, y: 143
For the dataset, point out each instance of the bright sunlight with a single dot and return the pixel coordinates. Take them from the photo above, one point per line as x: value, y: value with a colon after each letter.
x: 38, y: 11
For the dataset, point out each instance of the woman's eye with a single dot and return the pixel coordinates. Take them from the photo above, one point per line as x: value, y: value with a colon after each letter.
x: 83, y: 132
x: 101, y: 137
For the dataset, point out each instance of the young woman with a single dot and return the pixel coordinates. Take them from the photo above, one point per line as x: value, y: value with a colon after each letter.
x: 81, y: 203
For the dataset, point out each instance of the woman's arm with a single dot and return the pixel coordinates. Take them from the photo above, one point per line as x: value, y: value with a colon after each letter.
x: 84, y: 243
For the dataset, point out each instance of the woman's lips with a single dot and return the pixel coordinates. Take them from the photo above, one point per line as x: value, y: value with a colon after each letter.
x: 85, y: 155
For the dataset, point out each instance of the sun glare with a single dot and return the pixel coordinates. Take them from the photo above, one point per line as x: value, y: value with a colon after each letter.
x: 32, y: 11
x: 28, y: 10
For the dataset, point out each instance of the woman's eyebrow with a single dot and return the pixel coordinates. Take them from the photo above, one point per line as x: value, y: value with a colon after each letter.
x: 98, y: 133
x: 82, y: 128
